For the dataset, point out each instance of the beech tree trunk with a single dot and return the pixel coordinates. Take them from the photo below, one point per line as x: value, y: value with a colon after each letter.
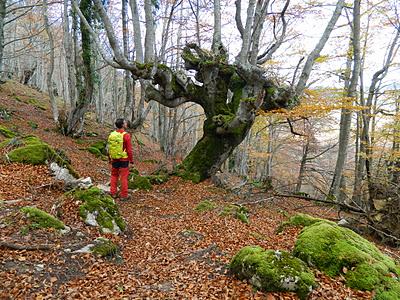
x: 50, y: 68
x: 2, y: 19
x: 345, y: 121
x: 86, y: 87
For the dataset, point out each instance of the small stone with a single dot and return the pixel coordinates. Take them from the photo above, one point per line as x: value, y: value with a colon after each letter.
x: 66, y: 230
x: 91, y: 219
x: 86, y: 249
x: 79, y: 234
x: 39, y: 267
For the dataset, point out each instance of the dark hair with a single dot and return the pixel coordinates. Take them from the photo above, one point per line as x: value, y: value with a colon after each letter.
x: 119, y: 123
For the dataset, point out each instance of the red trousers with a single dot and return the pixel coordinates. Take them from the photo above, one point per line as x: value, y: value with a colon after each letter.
x: 116, y: 173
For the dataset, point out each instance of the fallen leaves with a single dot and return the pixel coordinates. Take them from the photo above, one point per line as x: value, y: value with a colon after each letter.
x: 169, y: 251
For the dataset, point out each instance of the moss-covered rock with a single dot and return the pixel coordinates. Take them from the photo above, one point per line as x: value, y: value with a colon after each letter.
x: 205, y: 205
x: 32, y: 150
x: 388, y: 290
x: 105, y: 248
x: 138, y: 182
x: 41, y: 219
x: 4, y: 131
x: 273, y: 271
x: 300, y: 220
x: 237, y: 211
x: 337, y: 250
x: 158, y: 179
x: 99, y: 209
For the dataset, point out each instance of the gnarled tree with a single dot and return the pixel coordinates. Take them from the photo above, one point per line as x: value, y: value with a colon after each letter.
x: 229, y: 93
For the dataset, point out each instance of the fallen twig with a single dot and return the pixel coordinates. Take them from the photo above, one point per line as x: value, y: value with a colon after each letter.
x: 13, y: 201
x: 254, y: 202
x: 341, y: 205
x: 13, y: 246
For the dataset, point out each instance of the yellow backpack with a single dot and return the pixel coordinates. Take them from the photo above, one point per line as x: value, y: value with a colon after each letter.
x: 116, y: 145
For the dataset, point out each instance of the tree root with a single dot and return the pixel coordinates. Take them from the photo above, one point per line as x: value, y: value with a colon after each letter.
x: 13, y: 246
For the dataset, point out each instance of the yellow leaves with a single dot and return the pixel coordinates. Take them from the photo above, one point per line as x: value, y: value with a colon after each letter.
x: 322, y: 59
x: 317, y: 103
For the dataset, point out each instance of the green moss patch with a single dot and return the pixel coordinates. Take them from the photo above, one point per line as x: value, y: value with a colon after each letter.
x: 36, y: 103
x: 138, y: 182
x: 41, y: 219
x: 158, y: 179
x: 205, y: 205
x: 4, y: 131
x: 33, y: 125
x: 105, y: 248
x: 236, y: 211
x: 5, y: 114
x: 273, y: 271
x: 100, y: 210
x: 337, y: 250
x: 31, y: 101
x: 94, y: 151
x: 99, y: 149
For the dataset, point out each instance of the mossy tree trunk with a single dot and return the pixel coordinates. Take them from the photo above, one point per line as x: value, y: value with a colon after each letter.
x: 85, y: 72
x: 230, y: 96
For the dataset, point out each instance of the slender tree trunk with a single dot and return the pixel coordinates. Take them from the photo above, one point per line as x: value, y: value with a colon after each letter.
x: 2, y: 19
x: 69, y: 61
x: 50, y: 68
x: 345, y: 120
x: 303, y: 165
x: 305, y: 74
x: 270, y: 151
x: 127, y: 77
x: 137, y: 35
x: 394, y: 169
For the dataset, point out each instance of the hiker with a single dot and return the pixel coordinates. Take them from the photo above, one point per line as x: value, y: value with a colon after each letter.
x: 120, y: 155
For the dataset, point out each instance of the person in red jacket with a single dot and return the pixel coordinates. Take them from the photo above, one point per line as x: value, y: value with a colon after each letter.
x: 120, y: 166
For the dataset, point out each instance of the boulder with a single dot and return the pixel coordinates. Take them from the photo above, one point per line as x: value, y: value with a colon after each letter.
x: 102, y: 247
x: 273, y: 271
x: 32, y: 150
x: 100, y: 210
x: 337, y: 250
x: 70, y: 181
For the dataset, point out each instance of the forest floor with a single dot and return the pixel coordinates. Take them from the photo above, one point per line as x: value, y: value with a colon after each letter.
x: 169, y: 250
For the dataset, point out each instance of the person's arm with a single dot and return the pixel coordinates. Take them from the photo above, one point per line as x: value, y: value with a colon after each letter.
x: 128, y: 146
